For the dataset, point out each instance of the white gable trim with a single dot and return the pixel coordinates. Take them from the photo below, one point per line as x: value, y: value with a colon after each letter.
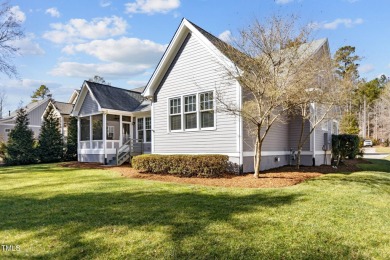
x: 173, y: 48
x: 80, y: 100
x: 57, y: 113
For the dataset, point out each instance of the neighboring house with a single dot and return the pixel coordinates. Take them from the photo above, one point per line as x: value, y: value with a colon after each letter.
x: 34, y: 112
x: 183, y: 118
x: 110, y: 118
x: 63, y: 111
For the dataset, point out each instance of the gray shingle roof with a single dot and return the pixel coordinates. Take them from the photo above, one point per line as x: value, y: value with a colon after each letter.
x: 64, y: 108
x: 110, y: 97
x: 139, y: 90
x: 144, y: 106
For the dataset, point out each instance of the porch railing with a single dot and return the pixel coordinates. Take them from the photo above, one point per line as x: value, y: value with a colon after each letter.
x: 130, y: 148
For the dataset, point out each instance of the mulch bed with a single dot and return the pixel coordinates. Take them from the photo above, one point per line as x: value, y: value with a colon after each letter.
x: 274, y: 178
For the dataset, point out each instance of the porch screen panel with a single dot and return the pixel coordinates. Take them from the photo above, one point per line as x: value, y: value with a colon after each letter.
x: 84, y: 129
x: 113, y: 127
x: 97, y: 127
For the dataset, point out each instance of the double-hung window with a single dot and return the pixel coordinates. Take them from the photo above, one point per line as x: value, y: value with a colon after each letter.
x: 148, y: 129
x: 198, y: 112
x: 175, y: 113
x: 190, y: 113
x: 144, y: 129
x: 140, y: 129
x: 206, y: 109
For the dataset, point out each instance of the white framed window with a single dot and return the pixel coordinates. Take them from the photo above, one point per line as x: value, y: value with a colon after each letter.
x: 335, y: 127
x: 144, y: 129
x: 198, y: 112
x: 190, y: 112
x: 110, y: 132
x: 175, y: 114
x: 324, y: 125
x: 207, y: 109
x: 148, y: 129
x: 140, y: 129
x: 7, y: 130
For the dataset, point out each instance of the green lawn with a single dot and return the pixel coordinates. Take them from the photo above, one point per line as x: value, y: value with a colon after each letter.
x: 59, y: 213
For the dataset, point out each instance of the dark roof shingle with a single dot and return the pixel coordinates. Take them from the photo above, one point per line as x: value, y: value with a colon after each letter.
x: 110, y: 97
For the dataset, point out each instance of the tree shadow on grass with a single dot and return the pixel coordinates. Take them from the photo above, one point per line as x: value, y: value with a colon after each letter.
x: 186, y: 218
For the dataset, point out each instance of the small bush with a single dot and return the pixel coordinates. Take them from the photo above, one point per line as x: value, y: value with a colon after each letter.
x: 344, y: 146
x: 182, y: 165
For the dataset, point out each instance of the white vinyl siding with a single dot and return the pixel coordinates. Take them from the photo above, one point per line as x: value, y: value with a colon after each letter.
x: 194, y: 70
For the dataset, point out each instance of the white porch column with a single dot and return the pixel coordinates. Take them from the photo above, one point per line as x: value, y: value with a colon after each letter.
x: 105, y: 136
x: 78, y: 135
x: 90, y: 132
x: 120, y: 131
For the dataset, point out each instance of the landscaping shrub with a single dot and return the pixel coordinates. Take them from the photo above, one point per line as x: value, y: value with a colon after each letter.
x: 182, y: 165
x: 344, y: 146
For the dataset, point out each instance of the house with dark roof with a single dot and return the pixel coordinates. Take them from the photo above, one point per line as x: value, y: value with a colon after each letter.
x: 111, y: 119
x: 177, y: 111
x: 35, y: 112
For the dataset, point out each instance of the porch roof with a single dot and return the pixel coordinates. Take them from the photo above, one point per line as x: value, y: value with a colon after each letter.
x: 114, y: 98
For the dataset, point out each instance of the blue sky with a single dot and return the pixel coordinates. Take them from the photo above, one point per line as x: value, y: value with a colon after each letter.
x: 69, y: 41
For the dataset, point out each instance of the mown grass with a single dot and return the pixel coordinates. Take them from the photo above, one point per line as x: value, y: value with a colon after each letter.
x: 59, y: 213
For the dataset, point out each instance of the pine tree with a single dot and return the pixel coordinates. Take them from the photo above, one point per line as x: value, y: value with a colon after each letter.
x: 50, y: 146
x: 71, y: 143
x: 20, y: 146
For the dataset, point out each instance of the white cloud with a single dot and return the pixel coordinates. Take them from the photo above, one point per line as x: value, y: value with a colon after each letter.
x: 225, y: 36
x: 78, y: 30
x: 152, y: 6
x: 18, y: 14
x: 366, y: 68
x: 53, y: 12
x: 27, y: 46
x: 124, y: 50
x: 283, y: 2
x: 348, y: 23
x: 137, y: 83
x: 105, y: 3
x: 106, y: 70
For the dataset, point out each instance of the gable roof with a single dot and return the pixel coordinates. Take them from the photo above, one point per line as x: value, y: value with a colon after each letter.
x: 212, y: 43
x: 29, y: 107
x: 109, y: 97
x: 63, y: 108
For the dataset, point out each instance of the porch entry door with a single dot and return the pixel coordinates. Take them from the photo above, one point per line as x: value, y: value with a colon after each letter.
x: 126, y: 132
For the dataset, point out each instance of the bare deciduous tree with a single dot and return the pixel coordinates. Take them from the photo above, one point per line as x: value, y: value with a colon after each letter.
x: 10, y: 30
x: 318, y: 95
x: 270, y: 62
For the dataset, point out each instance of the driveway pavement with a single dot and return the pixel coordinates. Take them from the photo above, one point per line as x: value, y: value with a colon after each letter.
x: 370, y: 153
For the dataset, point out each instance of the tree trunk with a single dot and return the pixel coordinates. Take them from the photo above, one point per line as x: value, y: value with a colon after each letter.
x: 300, y: 143
x: 257, y: 158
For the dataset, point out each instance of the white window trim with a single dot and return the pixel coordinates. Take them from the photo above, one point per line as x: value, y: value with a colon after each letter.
x: 7, y: 132
x: 113, y: 131
x: 143, y: 128
x: 324, y: 125
x: 180, y: 113
x: 198, y: 113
